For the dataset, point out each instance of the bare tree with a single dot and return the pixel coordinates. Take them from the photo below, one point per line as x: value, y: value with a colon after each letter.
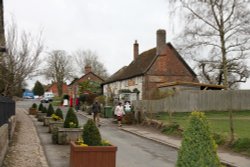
x: 59, y: 68
x: 20, y: 61
x: 83, y: 58
x: 220, y: 28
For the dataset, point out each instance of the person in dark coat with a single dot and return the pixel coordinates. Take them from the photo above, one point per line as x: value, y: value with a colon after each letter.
x: 96, y: 110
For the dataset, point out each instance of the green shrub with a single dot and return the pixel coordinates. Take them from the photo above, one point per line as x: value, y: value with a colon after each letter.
x: 172, y: 129
x: 242, y: 145
x: 40, y: 107
x: 91, y: 135
x: 34, y: 105
x: 220, y: 139
x: 198, y: 148
x: 50, y: 110
x: 59, y: 113
x: 44, y: 110
x: 70, y: 118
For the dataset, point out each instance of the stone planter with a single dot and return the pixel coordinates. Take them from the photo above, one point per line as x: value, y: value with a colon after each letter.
x: 32, y: 111
x: 55, y: 124
x: 40, y: 116
x: 38, y: 112
x: 46, y: 120
x: 92, y: 156
x: 65, y: 135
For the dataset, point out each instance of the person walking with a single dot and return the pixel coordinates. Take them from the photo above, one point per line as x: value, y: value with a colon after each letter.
x: 96, y: 110
x: 119, y: 112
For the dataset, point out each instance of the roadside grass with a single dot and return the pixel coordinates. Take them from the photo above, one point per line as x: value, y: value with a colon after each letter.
x: 219, y: 126
x: 218, y: 121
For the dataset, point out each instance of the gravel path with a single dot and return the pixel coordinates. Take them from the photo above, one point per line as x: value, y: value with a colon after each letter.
x: 25, y: 150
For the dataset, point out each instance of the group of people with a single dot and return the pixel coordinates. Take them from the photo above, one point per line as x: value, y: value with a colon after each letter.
x: 119, y: 112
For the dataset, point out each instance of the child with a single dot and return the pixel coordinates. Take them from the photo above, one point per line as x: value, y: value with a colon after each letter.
x: 119, y: 112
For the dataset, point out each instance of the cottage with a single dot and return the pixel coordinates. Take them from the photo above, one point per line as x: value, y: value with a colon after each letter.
x: 158, y: 65
x: 73, y: 87
x: 53, y: 88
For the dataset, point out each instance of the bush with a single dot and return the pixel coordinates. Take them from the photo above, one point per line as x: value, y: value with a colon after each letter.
x: 172, y: 129
x: 70, y: 119
x: 242, y: 145
x: 50, y: 110
x: 59, y: 113
x: 34, y: 105
x: 219, y: 138
x: 198, y: 147
x: 44, y: 110
x: 91, y: 135
x: 40, y: 107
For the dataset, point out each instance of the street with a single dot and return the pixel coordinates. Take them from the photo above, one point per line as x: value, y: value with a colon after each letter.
x: 133, y: 151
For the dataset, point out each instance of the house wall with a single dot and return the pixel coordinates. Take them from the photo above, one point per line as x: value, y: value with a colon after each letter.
x: 166, y: 68
x: 53, y: 89
x: 131, y: 84
x: 73, y: 89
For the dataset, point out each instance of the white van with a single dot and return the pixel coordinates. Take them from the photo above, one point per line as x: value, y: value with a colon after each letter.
x: 47, y: 97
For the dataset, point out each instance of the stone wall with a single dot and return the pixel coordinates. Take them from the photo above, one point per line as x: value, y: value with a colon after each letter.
x: 4, y: 141
x: 6, y: 133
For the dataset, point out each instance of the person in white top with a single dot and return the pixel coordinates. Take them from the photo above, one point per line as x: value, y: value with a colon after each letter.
x: 119, y: 112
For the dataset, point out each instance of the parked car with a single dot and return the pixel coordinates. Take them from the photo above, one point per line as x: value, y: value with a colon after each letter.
x: 28, y: 95
x: 47, y: 97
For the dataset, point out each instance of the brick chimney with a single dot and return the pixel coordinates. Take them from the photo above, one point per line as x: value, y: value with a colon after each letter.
x: 160, y: 42
x: 136, y: 50
x: 87, y: 69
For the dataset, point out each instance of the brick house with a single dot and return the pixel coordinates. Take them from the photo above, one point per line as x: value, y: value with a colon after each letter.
x: 88, y: 76
x: 158, y: 65
x: 53, y: 88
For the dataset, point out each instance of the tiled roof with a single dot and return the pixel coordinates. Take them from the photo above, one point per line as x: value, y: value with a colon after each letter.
x: 135, y: 68
x: 141, y: 65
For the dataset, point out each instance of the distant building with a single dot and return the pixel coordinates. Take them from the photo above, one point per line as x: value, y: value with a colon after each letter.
x: 73, y: 87
x: 142, y: 76
x: 53, y: 88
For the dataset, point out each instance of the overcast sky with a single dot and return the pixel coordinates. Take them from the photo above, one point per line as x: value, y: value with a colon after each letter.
x: 107, y: 27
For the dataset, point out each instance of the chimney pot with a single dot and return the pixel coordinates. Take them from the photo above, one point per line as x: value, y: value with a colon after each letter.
x: 160, y: 42
x: 136, y: 50
x: 87, y: 69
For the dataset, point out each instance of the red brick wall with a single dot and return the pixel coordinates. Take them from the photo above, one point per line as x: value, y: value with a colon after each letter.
x: 166, y: 68
x: 53, y: 88
x: 91, y: 77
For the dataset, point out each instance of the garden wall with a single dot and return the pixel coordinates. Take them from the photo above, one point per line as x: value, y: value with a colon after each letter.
x: 200, y: 100
x: 6, y: 132
x: 4, y: 141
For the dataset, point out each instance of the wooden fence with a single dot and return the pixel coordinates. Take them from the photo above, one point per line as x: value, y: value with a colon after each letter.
x: 200, y: 100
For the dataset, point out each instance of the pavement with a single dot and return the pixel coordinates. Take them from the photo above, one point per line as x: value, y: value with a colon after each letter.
x: 53, y: 153
x: 227, y: 158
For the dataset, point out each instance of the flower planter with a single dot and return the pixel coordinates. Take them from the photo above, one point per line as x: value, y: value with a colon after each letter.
x: 55, y: 124
x: 65, y: 135
x: 46, y: 120
x: 32, y: 111
x: 40, y: 116
x: 92, y: 156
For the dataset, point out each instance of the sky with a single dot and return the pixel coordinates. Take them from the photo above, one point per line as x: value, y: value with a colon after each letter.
x: 106, y: 27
